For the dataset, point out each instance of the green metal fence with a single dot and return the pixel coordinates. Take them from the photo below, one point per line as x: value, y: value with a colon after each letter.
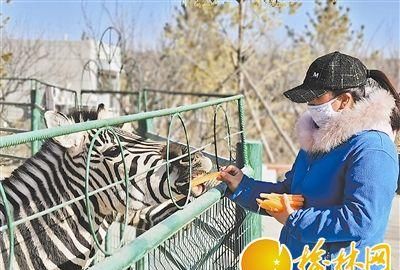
x: 207, y: 234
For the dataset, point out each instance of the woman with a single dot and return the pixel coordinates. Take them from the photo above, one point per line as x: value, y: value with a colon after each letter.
x: 347, y: 168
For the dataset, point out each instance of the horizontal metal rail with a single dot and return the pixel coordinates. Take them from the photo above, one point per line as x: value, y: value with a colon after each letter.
x: 15, y: 104
x: 162, y: 91
x: 13, y: 157
x: 25, y: 137
x: 13, y: 130
x: 135, y: 250
x: 39, y: 81
x: 199, y: 94
x: 102, y: 92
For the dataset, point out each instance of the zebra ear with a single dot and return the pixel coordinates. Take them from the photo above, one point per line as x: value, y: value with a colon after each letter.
x: 103, y: 113
x: 127, y: 127
x: 56, y: 119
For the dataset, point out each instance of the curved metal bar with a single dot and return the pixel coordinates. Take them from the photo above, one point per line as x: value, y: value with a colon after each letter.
x: 136, y: 66
x: 87, y: 202
x: 86, y: 67
x: 217, y: 108
x: 190, y: 162
x: 109, y: 57
x: 10, y: 226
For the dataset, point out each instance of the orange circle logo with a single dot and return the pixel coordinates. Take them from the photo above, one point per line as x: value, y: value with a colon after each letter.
x: 265, y: 254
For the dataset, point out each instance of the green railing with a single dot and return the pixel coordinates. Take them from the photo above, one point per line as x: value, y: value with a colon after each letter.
x: 164, y: 243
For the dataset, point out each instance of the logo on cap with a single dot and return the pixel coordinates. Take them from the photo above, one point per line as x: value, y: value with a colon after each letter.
x: 315, y: 75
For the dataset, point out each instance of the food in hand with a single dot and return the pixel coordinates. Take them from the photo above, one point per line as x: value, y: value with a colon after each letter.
x: 274, y: 202
x: 204, y: 178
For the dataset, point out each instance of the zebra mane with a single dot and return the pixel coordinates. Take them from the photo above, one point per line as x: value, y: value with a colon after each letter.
x: 83, y: 115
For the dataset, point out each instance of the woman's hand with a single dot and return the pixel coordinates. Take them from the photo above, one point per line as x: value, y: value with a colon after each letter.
x: 232, y: 176
x: 283, y: 215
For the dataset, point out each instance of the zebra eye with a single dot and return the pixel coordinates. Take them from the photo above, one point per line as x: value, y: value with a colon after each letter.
x: 113, y: 151
x: 185, y: 159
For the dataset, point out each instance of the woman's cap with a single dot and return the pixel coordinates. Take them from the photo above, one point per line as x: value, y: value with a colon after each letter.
x: 331, y: 72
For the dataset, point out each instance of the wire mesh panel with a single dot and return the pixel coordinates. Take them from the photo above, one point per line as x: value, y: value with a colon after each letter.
x: 212, y: 240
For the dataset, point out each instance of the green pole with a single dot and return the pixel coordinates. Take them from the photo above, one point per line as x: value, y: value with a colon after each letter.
x: 255, y: 154
x: 36, y: 101
x: 251, y: 156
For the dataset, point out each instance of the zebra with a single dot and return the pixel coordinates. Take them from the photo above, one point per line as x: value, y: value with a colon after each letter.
x: 56, y: 174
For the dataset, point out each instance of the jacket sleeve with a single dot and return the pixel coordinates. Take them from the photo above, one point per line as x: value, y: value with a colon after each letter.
x: 249, y: 189
x: 370, y: 183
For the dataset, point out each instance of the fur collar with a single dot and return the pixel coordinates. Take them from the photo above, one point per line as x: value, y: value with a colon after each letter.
x: 371, y: 113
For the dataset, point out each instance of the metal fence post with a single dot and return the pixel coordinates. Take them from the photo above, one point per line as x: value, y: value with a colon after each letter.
x: 250, y: 154
x: 254, y: 151
x: 36, y: 101
x: 145, y: 125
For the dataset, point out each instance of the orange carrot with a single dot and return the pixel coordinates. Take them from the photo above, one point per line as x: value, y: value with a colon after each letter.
x: 204, y: 178
x: 274, y: 202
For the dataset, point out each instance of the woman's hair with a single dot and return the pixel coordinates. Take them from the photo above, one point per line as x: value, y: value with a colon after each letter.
x: 378, y: 77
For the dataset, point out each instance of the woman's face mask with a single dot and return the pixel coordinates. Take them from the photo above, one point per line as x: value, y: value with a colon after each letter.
x: 322, y: 114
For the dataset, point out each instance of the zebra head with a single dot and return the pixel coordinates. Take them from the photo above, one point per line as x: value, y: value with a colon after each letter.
x: 146, y: 187
x: 200, y: 166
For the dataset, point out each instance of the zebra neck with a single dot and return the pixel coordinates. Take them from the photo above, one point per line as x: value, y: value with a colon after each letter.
x: 45, y: 180
x: 42, y: 182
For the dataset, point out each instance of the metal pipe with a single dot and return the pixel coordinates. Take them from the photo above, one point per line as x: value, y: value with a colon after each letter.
x: 15, y: 104
x: 13, y: 157
x: 39, y: 81
x: 13, y: 130
x: 167, y: 92
x: 102, y: 92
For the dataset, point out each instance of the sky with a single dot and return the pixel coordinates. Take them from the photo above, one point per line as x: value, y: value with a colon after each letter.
x: 58, y: 19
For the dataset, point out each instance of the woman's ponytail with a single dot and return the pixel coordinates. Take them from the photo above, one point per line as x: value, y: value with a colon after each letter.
x: 385, y: 83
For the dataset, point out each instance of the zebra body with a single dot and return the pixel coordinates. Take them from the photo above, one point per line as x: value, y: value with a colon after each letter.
x: 56, y: 174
